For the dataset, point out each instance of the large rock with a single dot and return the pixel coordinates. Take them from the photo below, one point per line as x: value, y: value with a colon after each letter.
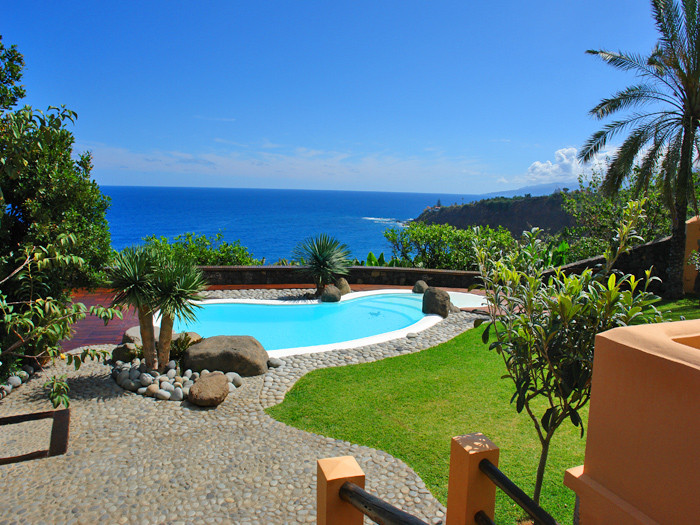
x: 132, y: 335
x: 242, y: 354
x: 436, y: 301
x: 330, y: 294
x: 343, y: 286
x: 420, y: 287
x: 209, y: 390
x: 125, y: 352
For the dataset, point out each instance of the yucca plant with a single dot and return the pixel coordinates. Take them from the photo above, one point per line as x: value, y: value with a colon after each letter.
x: 175, y: 285
x: 130, y: 277
x: 323, y: 258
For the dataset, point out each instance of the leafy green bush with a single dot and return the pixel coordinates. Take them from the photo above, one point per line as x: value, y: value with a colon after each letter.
x: 442, y: 246
x: 33, y: 325
x: 597, y: 215
x: 545, y: 327
x: 203, y: 250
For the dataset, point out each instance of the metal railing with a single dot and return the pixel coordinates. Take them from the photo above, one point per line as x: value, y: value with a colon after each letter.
x: 525, y: 502
x: 59, y: 434
x: 375, y: 508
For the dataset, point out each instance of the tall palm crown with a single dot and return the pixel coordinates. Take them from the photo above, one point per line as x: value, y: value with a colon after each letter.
x: 324, y: 257
x: 662, y: 138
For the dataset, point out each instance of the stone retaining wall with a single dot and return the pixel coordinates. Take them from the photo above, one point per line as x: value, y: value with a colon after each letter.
x: 256, y: 275
x: 636, y: 262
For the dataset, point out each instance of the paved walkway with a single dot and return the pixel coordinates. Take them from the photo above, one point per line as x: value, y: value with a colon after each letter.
x: 133, y: 459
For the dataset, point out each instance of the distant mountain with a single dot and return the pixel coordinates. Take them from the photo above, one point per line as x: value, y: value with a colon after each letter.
x: 537, y: 190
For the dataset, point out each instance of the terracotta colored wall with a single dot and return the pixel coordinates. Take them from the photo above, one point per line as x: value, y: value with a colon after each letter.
x: 642, y: 464
x: 692, y: 242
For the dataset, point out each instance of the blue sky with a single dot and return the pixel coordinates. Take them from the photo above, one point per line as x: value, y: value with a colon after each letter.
x: 421, y: 96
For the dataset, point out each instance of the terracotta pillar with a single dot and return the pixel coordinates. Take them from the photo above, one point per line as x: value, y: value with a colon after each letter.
x: 642, y: 464
x: 469, y: 490
x: 692, y: 242
x: 331, y: 474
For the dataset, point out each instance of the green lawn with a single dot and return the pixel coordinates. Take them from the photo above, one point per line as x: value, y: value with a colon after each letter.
x: 688, y: 307
x: 412, y: 405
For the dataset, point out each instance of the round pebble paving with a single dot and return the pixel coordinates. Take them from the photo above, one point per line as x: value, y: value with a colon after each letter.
x: 135, y: 459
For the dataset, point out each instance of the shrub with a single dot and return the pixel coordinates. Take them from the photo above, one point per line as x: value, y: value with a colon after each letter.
x: 545, y: 327
x: 441, y: 246
x: 203, y: 250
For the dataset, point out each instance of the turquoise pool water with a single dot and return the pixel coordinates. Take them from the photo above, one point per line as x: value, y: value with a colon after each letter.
x: 279, y: 326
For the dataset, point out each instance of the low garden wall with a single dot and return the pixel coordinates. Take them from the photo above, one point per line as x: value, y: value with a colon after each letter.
x: 256, y: 275
x: 636, y: 262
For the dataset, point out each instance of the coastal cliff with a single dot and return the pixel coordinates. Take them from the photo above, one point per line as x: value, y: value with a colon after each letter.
x: 515, y: 214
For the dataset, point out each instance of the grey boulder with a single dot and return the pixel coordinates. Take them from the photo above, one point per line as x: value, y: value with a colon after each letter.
x: 420, y: 287
x: 436, y: 301
x: 330, y: 294
x: 209, y: 391
x: 242, y: 354
x: 343, y: 286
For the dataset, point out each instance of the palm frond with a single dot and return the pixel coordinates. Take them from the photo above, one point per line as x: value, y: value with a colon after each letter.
x: 632, y: 96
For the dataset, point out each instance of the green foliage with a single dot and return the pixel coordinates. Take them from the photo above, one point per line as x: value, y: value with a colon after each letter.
x: 179, y: 346
x: 323, y: 258
x: 44, y: 190
x: 203, y: 250
x: 11, y: 64
x: 33, y: 325
x: 597, y: 215
x: 545, y: 325
x: 662, y: 131
x: 442, y: 246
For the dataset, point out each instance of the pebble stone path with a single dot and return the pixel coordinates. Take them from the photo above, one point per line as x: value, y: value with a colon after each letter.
x: 133, y: 459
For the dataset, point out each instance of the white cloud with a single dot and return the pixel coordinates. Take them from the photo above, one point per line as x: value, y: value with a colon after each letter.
x: 564, y: 168
x: 292, y: 167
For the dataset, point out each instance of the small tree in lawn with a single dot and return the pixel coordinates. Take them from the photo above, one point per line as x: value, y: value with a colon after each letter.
x: 545, y: 325
x: 176, y: 283
x: 324, y: 257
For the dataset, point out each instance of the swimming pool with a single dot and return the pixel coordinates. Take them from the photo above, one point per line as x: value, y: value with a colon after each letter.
x: 298, y: 327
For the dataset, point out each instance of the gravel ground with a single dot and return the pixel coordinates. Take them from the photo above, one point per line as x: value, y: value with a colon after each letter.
x: 133, y: 459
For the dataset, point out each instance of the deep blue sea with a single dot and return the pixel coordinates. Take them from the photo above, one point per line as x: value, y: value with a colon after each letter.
x: 270, y: 223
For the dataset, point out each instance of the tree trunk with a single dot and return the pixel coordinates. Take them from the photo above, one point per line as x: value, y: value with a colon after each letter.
x: 676, y: 256
x: 540, y: 468
x: 164, y: 340
x: 147, y: 337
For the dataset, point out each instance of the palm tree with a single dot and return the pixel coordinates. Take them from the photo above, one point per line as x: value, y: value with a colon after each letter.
x: 176, y: 284
x: 130, y: 276
x: 324, y: 257
x: 664, y: 136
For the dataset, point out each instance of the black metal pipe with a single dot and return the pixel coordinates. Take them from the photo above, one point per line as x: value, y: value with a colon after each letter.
x: 481, y: 518
x: 515, y: 493
x: 374, y: 508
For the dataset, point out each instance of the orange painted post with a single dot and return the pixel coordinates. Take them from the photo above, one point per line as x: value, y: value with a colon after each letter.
x: 331, y: 474
x: 469, y: 490
x: 692, y: 242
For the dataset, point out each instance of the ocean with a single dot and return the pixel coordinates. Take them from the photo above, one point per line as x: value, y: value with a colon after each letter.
x: 270, y: 223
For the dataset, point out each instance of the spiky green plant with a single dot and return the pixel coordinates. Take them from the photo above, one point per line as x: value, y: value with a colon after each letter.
x: 663, y: 136
x: 323, y: 258
x: 176, y: 283
x: 130, y: 276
